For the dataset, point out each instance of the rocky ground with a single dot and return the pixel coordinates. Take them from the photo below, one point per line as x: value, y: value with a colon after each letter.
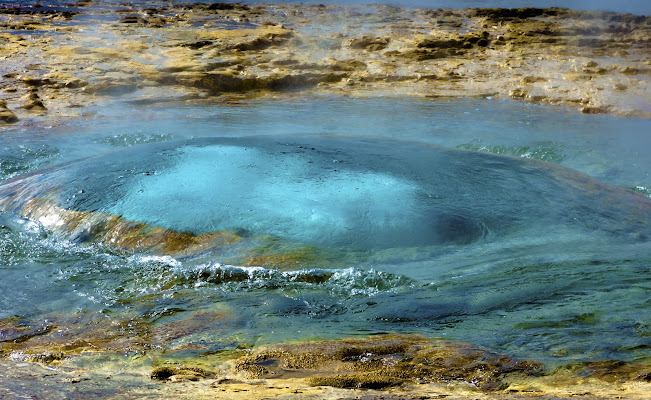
x: 378, y: 367
x: 58, y: 63
x: 88, y: 355
x: 55, y: 62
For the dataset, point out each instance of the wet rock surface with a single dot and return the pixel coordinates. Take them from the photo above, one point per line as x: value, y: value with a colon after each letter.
x: 610, y: 370
x: 178, y: 374
x: 85, y: 54
x: 385, y: 361
x: 6, y: 115
x: 59, y: 338
x: 380, y: 366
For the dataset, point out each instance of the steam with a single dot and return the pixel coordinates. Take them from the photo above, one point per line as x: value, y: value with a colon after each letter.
x: 642, y: 7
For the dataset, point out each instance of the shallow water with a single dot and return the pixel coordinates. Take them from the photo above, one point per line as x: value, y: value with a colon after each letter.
x: 398, y: 234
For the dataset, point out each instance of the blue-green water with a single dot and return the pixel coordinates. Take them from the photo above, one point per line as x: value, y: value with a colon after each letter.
x: 428, y: 217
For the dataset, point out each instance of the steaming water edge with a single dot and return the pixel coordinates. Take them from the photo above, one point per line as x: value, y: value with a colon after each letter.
x: 550, y: 295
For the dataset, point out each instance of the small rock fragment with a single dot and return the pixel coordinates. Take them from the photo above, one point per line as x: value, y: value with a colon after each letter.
x: 369, y: 43
x: 33, y: 102
x: 519, y: 93
x: 591, y: 110
x: 178, y: 374
x: 6, y: 115
x: 630, y: 71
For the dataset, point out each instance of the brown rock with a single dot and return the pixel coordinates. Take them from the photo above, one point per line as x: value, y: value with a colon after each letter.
x: 6, y: 115
x: 355, y: 381
x: 383, y: 361
x: 518, y: 93
x: 61, y: 336
x: 630, y: 71
x: 179, y: 373
x: 516, y: 13
x: 271, y: 57
x: 33, y: 81
x: 33, y: 102
x: 369, y: 43
x: 610, y: 370
x: 227, y: 6
x: 591, y: 110
x: 63, y: 80
x: 452, y: 43
x: 426, y: 54
x: 532, y: 79
x: 266, y: 41
x: 301, y: 257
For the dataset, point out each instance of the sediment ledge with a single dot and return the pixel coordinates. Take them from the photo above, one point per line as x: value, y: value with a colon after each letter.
x: 378, y: 367
x: 58, y: 61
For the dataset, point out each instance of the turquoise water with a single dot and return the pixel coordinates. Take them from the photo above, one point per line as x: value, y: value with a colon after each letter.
x: 466, y: 219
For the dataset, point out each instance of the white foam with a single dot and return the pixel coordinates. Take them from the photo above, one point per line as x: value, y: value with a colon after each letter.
x: 51, y: 221
x: 144, y: 259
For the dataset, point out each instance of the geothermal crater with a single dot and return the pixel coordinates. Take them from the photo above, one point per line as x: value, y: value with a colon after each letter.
x: 329, y: 191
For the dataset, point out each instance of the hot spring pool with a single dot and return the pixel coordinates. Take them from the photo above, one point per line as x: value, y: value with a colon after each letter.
x: 509, y: 226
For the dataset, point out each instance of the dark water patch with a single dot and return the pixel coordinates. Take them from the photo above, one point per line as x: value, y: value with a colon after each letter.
x: 32, y: 32
x: 225, y: 24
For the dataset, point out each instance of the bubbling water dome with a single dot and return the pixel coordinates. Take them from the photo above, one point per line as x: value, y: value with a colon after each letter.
x: 234, y: 196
